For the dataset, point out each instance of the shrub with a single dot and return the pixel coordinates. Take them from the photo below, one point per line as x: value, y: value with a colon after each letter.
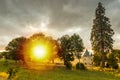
x: 80, y: 66
x: 112, y: 61
x: 12, y: 72
x: 5, y: 63
x: 96, y: 59
x: 69, y: 65
x: 115, y: 66
x: 3, y: 75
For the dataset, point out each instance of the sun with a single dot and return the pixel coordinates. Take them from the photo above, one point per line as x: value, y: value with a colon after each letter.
x: 39, y: 51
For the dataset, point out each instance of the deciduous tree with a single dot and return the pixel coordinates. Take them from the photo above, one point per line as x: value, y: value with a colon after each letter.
x: 70, y: 45
x: 15, y: 47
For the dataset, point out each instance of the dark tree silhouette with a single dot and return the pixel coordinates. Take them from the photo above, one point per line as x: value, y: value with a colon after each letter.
x: 70, y: 45
x: 117, y: 54
x: 38, y: 39
x: 77, y: 45
x: 66, y: 50
x: 15, y: 47
x: 101, y: 35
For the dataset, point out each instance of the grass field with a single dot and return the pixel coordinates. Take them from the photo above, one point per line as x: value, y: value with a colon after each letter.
x: 59, y: 74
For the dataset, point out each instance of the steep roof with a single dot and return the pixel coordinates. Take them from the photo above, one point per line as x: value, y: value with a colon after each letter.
x: 86, y: 53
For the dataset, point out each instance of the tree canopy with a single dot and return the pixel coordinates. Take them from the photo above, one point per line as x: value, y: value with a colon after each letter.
x: 15, y: 47
x: 101, y: 34
x: 70, y: 46
x: 41, y: 40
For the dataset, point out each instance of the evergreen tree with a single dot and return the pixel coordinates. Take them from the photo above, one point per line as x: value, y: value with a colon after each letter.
x: 101, y: 35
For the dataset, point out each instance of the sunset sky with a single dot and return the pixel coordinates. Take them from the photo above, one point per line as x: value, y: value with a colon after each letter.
x: 55, y: 18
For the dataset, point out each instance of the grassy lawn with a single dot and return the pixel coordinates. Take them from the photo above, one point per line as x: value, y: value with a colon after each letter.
x: 59, y: 74
x: 62, y: 74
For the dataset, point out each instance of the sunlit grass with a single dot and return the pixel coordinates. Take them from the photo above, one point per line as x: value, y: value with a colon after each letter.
x: 63, y: 74
x: 4, y: 65
x: 60, y: 74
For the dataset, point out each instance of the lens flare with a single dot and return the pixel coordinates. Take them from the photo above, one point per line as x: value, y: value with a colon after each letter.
x: 39, y: 51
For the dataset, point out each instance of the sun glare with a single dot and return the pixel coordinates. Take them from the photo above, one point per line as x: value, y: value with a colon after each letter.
x: 39, y: 51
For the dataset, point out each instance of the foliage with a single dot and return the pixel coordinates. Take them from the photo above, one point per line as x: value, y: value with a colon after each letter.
x: 96, y: 59
x: 12, y: 73
x: 1, y: 55
x: 112, y: 61
x: 77, y: 45
x: 101, y: 35
x: 68, y: 65
x: 70, y: 45
x: 5, y: 63
x: 6, y: 69
x: 116, y: 52
x: 66, y: 51
x: 38, y: 39
x: 15, y: 47
x: 4, y: 54
x: 80, y: 66
x: 4, y: 75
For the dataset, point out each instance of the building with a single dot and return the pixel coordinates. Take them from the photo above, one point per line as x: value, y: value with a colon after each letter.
x: 86, y: 58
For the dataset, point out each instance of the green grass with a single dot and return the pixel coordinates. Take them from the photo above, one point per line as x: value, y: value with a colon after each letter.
x: 3, y: 66
x: 63, y: 74
x: 59, y: 74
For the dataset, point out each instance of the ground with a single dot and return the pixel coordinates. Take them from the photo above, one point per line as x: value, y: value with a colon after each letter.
x: 58, y: 74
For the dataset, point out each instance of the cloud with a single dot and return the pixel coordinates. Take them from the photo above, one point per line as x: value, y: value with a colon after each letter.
x: 112, y: 13
x: 55, y: 17
x: 117, y: 40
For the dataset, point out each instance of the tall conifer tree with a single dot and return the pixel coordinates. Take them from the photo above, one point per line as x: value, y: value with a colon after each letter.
x: 101, y: 34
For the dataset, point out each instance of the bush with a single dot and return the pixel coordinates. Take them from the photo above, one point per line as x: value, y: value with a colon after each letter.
x: 112, y: 61
x: 115, y: 66
x: 69, y: 65
x: 80, y: 66
x: 5, y: 63
x: 96, y: 59
x: 12, y: 72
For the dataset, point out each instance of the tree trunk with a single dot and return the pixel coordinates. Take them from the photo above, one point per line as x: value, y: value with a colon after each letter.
x: 103, y: 54
x: 79, y: 60
x: 103, y: 59
x: 102, y: 44
x: 52, y: 61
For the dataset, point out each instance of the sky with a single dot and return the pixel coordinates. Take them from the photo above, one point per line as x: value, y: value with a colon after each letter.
x: 55, y: 18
